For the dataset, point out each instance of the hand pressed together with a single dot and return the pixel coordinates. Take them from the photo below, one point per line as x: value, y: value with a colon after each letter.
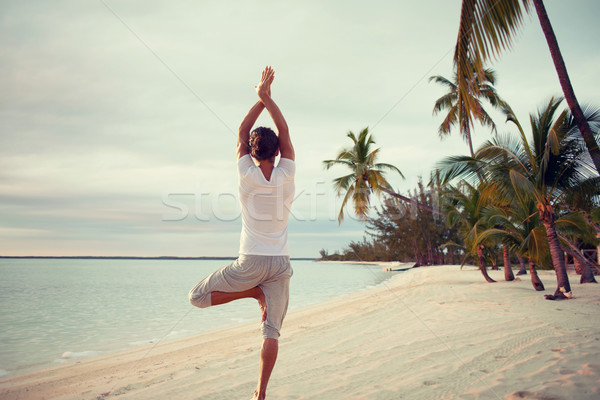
x: 264, y: 86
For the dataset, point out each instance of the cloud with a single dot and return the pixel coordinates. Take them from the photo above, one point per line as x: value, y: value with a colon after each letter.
x: 107, y: 110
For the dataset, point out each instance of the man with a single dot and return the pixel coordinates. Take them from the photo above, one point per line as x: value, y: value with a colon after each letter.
x: 262, y: 270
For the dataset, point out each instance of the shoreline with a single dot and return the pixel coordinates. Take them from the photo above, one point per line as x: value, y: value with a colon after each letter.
x: 430, y: 332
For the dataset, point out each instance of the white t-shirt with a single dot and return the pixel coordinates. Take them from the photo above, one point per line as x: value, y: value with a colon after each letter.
x: 265, y: 207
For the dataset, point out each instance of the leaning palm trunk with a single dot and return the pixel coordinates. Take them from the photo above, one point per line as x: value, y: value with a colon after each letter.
x: 523, y: 270
x: 535, y: 279
x: 482, y: 268
x: 578, y: 265
x: 582, y: 266
x: 565, y: 83
x: 494, y: 263
x: 508, y: 273
x: 411, y: 201
x: 548, y: 216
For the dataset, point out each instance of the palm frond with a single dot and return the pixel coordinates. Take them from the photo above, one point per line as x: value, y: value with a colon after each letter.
x: 493, y: 235
x: 487, y: 27
x: 389, y: 167
x: 371, y: 157
x: 348, y: 196
x: 351, y: 135
x: 523, y: 187
x: 575, y: 224
x: 330, y: 163
x: 485, y: 120
x: 446, y: 102
x: 443, y: 81
x: 449, y: 121
x: 536, y: 246
x: 459, y: 167
x: 556, y: 133
x: 343, y: 183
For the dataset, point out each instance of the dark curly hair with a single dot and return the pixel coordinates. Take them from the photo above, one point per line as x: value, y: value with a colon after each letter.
x: 263, y: 143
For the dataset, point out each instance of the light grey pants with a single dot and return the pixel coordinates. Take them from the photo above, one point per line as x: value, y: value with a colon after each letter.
x: 271, y: 273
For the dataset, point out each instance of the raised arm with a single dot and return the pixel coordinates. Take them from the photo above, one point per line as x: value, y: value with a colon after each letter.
x: 245, y: 127
x: 264, y: 93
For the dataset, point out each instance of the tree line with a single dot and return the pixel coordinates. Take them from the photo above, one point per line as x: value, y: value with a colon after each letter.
x: 531, y: 196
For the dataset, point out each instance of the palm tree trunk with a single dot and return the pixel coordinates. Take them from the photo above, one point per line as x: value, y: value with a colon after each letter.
x: 535, y: 279
x: 416, y: 252
x: 577, y: 265
x: 548, y: 216
x: 565, y: 83
x: 482, y: 268
x: 508, y: 273
x: 523, y: 270
x: 582, y: 267
x: 587, y: 276
x: 411, y: 201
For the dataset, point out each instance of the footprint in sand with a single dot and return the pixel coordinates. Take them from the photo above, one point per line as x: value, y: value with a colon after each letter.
x: 527, y: 395
x: 589, y: 369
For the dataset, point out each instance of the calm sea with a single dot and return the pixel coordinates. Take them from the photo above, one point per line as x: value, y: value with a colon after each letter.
x: 55, y: 311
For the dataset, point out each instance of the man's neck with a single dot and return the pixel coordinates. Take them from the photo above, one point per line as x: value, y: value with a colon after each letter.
x: 266, y: 166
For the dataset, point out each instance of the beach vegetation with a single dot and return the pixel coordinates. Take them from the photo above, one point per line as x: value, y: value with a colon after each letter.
x: 518, y: 229
x: 545, y: 169
x: 519, y: 197
x: 412, y: 233
x: 401, y: 231
x: 530, y: 197
x: 464, y: 205
x: 488, y: 27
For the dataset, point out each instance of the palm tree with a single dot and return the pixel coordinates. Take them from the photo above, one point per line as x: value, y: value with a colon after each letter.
x: 586, y: 202
x: 486, y: 28
x: 463, y: 207
x: 571, y: 228
x: 543, y: 171
x: 518, y: 230
x: 459, y: 112
x: 366, y: 176
x: 504, y: 235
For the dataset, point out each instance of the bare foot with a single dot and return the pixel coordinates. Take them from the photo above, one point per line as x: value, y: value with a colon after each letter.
x: 257, y: 397
x: 262, y: 302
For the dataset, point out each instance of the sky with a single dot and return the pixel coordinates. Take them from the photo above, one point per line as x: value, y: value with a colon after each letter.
x: 118, y: 119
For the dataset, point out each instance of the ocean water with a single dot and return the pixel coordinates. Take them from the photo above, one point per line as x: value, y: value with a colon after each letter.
x: 55, y: 311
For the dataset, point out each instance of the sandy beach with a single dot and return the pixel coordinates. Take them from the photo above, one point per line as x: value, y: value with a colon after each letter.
x: 429, y: 333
